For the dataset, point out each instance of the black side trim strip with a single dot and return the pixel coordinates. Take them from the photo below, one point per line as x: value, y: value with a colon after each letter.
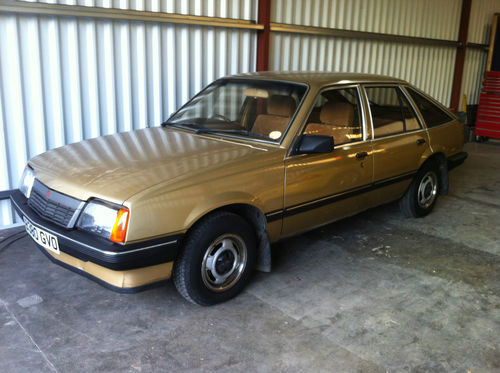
x: 274, y: 215
x: 326, y: 200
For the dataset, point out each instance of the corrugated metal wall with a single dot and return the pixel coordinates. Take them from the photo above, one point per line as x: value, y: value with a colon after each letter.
x: 65, y: 79
x: 430, y: 68
x: 481, y: 18
x: 438, y: 19
x: 474, y: 68
x: 240, y: 9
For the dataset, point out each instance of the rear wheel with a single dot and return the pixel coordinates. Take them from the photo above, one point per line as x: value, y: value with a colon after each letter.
x: 217, y: 259
x: 421, y: 196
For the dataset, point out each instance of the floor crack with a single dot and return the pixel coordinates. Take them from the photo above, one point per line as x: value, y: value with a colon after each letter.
x: 49, y: 363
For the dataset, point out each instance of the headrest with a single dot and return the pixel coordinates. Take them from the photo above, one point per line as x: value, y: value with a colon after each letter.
x: 283, y: 106
x: 337, y: 113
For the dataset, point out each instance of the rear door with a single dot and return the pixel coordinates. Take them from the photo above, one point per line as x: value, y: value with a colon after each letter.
x: 400, y: 142
x: 445, y: 131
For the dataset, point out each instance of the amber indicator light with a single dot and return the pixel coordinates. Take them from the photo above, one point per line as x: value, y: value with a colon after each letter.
x: 119, y: 231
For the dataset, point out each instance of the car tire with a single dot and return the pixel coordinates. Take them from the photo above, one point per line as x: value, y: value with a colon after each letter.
x: 217, y: 259
x: 423, y: 192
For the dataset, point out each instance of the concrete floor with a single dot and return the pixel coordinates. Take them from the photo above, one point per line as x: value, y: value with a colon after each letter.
x: 372, y: 293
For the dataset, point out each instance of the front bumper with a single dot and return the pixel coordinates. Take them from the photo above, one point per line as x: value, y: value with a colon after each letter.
x: 127, y: 267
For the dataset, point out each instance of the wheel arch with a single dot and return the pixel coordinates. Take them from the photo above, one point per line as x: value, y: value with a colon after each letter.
x: 256, y: 218
x: 442, y: 163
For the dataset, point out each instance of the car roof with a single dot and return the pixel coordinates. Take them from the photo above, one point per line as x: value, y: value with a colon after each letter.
x: 319, y: 78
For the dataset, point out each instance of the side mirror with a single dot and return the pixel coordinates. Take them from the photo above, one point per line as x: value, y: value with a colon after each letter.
x: 314, y: 144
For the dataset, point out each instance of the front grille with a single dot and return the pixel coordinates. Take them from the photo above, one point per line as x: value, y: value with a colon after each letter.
x: 53, y: 206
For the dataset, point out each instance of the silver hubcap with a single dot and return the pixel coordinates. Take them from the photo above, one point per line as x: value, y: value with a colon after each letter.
x: 427, y: 190
x: 224, y: 262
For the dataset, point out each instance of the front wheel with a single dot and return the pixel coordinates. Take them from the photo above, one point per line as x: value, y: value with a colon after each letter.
x: 217, y: 259
x: 421, y: 196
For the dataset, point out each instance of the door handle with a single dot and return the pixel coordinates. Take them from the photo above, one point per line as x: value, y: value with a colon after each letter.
x: 420, y: 141
x: 361, y: 155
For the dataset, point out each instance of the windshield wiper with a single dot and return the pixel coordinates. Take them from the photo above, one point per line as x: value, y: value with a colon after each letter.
x: 235, y: 131
x: 188, y: 125
x: 199, y: 128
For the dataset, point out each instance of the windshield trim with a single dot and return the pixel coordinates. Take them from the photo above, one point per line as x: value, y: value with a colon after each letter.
x: 250, y: 139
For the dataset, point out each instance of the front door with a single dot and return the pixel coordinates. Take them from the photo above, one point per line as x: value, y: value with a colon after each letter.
x: 320, y: 188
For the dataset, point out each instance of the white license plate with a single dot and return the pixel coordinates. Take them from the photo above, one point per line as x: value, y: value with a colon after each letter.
x: 41, y: 237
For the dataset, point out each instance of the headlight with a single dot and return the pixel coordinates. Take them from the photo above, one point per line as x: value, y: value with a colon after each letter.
x: 27, y: 180
x: 104, y: 221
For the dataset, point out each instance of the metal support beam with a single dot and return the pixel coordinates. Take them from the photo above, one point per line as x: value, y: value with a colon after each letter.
x: 460, y: 58
x: 362, y: 35
x: 263, y: 35
x: 21, y: 7
x: 484, y: 47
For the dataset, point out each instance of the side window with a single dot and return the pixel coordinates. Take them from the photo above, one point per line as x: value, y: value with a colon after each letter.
x: 432, y: 114
x: 336, y: 113
x: 391, y: 111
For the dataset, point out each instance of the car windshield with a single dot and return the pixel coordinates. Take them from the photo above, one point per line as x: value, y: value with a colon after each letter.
x: 255, y: 109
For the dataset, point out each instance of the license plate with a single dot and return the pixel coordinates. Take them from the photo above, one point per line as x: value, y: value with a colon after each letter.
x: 41, y: 237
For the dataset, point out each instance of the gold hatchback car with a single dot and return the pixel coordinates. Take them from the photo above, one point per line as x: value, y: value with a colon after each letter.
x: 248, y: 161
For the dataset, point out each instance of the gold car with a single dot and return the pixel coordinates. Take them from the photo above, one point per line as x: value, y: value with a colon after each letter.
x: 248, y: 161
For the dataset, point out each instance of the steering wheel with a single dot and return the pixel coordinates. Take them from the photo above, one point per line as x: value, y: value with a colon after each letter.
x: 223, y: 117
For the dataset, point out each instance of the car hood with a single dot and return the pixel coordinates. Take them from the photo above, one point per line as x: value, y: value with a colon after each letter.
x: 116, y: 167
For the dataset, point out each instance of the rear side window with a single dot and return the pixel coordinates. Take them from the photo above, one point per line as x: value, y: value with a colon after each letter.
x: 391, y: 112
x: 433, y: 115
